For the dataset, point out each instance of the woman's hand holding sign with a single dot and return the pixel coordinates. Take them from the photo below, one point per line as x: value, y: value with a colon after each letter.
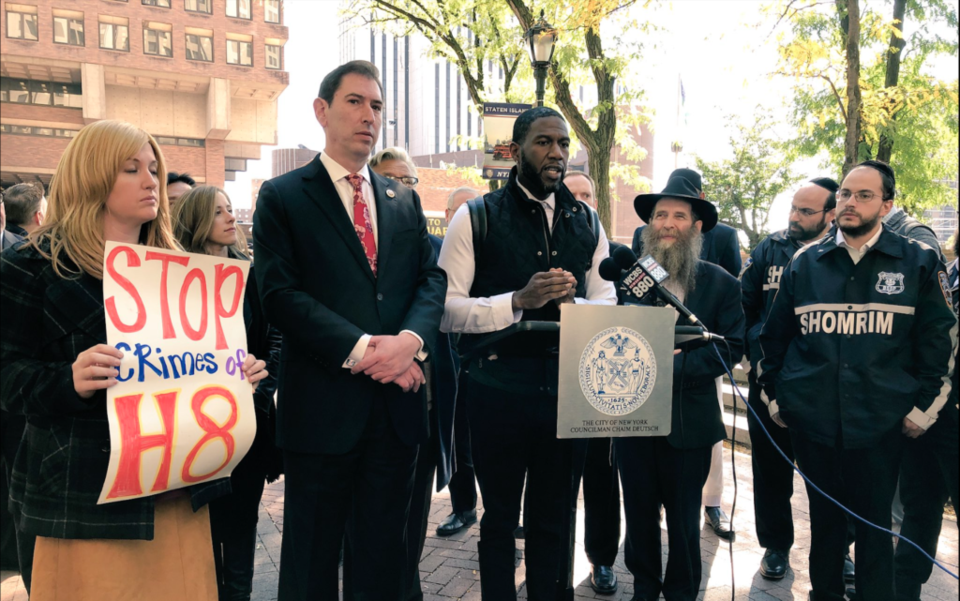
x: 255, y: 370
x: 96, y: 369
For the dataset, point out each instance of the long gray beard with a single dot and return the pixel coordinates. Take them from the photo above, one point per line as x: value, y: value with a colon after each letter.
x: 680, y: 259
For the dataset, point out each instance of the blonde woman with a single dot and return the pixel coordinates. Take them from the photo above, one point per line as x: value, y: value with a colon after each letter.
x: 55, y: 367
x: 203, y: 223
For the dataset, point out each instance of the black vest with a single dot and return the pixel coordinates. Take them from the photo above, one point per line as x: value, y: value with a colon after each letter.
x: 520, y: 243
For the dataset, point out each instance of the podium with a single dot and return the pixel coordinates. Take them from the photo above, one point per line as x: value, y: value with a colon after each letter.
x: 616, y: 379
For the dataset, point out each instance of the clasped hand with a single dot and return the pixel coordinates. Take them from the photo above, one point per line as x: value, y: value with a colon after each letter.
x: 554, y: 285
x: 389, y: 359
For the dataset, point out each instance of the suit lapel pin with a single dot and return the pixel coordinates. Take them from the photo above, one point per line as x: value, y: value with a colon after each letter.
x: 390, y: 193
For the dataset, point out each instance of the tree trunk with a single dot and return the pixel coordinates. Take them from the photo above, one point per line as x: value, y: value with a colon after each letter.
x: 893, y: 72
x: 600, y: 172
x: 599, y: 141
x: 852, y: 141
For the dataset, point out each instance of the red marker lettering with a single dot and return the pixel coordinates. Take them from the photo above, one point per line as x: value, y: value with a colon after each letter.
x: 133, y: 443
x: 184, y: 289
x: 168, y: 331
x: 213, y: 430
x: 222, y: 273
x: 111, y: 304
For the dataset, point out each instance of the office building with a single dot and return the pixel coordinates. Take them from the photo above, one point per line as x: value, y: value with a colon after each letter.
x: 202, y: 76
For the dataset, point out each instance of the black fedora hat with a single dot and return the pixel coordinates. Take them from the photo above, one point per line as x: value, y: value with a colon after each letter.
x: 681, y: 188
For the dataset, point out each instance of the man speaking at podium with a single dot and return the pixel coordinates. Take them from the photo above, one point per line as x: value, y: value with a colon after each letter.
x: 540, y: 248
x: 671, y: 470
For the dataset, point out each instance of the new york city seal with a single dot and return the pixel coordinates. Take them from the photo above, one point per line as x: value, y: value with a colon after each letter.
x: 617, y: 371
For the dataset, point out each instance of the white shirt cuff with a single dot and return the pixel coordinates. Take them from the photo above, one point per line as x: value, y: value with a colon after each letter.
x: 421, y: 355
x: 921, y: 419
x: 359, y: 350
x: 503, y: 309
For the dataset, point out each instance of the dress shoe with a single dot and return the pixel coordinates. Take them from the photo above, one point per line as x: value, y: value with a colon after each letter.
x: 455, y: 522
x: 603, y: 580
x: 774, y: 564
x: 720, y: 523
x: 849, y: 570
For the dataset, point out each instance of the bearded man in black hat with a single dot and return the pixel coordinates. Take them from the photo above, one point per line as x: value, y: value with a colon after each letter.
x: 671, y: 470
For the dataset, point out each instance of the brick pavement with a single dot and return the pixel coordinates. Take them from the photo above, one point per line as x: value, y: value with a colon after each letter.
x: 449, y: 568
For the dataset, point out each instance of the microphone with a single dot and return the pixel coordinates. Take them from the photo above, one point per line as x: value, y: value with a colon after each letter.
x: 643, y: 278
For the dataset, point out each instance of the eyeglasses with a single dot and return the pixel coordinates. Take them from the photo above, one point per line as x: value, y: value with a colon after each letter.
x: 410, y: 182
x: 861, y: 196
x: 805, y: 212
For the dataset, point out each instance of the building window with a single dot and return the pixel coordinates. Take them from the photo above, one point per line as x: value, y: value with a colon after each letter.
x: 200, y: 47
x: 199, y: 6
x: 230, y: 164
x: 274, y: 57
x: 27, y: 130
x: 271, y: 11
x: 114, y: 33
x: 169, y: 141
x: 160, y: 3
x: 239, y: 8
x: 68, y: 27
x: 240, y: 52
x: 22, y: 22
x: 158, y: 39
x: 47, y: 93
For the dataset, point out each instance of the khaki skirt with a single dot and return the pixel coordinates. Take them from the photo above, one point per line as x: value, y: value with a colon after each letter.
x: 176, y: 564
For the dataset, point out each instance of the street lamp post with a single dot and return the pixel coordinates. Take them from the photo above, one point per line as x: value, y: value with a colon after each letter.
x: 541, y: 39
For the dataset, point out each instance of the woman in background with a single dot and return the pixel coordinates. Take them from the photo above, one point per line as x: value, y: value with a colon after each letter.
x: 55, y: 365
x: 203, y: 223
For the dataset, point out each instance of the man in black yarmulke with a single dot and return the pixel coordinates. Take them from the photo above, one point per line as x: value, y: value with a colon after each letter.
x: 811, y: 214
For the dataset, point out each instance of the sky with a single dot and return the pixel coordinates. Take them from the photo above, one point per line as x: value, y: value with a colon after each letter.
x: 723, y: 63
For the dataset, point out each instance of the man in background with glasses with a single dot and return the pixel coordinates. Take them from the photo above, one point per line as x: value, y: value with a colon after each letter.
x: 858, y: 350
x: 396, y: 164
x: 811, y: 215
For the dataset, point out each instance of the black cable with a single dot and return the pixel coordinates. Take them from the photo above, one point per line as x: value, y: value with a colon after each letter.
x: 733, y: 466
x: 820, y: 491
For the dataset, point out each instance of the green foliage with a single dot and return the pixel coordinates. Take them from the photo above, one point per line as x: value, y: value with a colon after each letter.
x: 745, y: 186
x: 597, y: 48
x: 918, y: 115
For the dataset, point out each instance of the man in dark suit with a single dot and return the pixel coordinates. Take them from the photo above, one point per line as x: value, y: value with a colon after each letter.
x: 349, y: 277
x: 13, y: 426
x: 671, y: 470
x: 720, y: 247
x: 435, y: 460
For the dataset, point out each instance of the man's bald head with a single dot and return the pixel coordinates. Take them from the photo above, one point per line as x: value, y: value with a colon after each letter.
x: 457, y: 199
x: 581, y: 186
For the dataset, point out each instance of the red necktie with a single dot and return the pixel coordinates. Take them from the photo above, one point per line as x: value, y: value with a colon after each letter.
x: 361, y: 221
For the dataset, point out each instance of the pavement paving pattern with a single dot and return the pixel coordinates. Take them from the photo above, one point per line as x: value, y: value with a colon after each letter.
x: 449, y: 567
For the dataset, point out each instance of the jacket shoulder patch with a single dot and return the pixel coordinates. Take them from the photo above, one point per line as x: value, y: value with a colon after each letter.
x: 945, y: 288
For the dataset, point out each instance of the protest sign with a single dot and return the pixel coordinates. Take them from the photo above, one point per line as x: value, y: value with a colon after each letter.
x: 182, y: 412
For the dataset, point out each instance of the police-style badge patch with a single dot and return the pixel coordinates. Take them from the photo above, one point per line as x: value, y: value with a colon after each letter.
x: 945, y: 288
x: 617, y: 371
x: 890, y: 283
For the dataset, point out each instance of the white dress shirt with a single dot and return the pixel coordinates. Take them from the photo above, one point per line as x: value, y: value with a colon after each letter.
x: 467, y: 315
x: 338, y: 173
x: 855, y: 254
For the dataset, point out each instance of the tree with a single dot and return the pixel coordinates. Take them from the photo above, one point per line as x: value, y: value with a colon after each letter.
x: 745, y: 186
x: 471, y: 32
x: 864, y: 90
